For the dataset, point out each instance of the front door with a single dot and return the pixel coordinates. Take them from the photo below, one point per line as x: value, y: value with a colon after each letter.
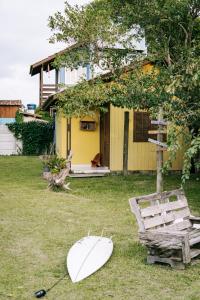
x: 105, y: 138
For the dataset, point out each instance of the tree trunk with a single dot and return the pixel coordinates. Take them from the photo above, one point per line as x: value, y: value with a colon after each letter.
x: 58, y: 180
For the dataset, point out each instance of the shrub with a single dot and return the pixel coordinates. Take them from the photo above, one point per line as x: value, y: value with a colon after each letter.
x: 56, y: 164
x: 37, y: 137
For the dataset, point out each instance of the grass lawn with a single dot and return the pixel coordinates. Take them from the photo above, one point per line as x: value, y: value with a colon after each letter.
x: 39, y: 226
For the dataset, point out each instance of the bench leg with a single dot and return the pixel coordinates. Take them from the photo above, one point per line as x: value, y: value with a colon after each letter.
x: 152, y: 259
x: 178, y: 265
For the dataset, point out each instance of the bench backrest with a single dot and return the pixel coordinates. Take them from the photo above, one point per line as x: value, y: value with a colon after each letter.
x: 167, y: 210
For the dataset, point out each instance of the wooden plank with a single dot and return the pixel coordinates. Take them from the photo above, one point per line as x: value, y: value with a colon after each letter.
x: 177, y: 193
x: 186, y: 250
x: 150, y: 211
x: 136, y: 211
x: 49, y: 89
x: 194, y: 240
x: 172, y: 206
x: 159, y: 122
x: 157, y: 143
x: 41, y: 82
x: 194, y: 233
x: 148, y: 198
x: 49, y: 85
x: 156, y: 131
x: 158, y: 221
x: 166, y: 218
x: 182, y: 213
x: 156, y: 209
x: 87, y: 175
x: 195, y: 219
x: 48, y: 93
x: 8, y: 111
x: 194, y: 252
x: 185, y: 224
x: 160, y: 236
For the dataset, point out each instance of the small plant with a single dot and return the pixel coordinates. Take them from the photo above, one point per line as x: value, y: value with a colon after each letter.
x: 55, y: 163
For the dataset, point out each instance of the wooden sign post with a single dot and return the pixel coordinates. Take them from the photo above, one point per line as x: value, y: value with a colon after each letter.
x: 159, y: 183
x: 160, y: 148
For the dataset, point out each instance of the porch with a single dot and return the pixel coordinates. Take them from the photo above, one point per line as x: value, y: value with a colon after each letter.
x: 88, y: 171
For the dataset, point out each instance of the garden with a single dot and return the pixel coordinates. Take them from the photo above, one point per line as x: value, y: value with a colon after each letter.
x: 38, y: 226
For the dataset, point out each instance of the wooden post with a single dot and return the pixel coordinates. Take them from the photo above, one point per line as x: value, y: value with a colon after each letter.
x: 56, y: 80
x: 125, y: 150
x: 159, y: 184
x: 41, y: 85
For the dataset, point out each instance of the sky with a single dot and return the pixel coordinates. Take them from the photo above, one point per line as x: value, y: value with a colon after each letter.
x: 24, y: 38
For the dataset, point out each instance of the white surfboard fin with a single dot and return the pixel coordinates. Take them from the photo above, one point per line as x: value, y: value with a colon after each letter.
x: 102, y: 231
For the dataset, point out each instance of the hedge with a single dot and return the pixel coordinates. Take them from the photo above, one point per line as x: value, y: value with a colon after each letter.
x: 36, y: 137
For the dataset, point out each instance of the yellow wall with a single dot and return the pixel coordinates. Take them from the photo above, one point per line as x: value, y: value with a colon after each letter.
x: 142, y: 156
x: 84, y: 144
x: 61, y: 136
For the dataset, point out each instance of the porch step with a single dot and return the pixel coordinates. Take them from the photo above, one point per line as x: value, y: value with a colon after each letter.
x: 82, y: 175
x: 88, y: 170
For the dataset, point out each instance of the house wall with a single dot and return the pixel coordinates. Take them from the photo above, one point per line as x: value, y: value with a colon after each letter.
x: 61, y: 136
x: 8, y: 111
x: 142, y: 156
x: 72, y: 77
x: 9, y: 145
x: 84, y: 144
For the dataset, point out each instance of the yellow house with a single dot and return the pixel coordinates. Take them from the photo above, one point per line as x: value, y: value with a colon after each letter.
x: 105, y: 135
x: 102, y: 134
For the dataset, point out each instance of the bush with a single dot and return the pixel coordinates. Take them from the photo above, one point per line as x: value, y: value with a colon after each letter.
x: 37, y: 137
x: 56, y: 164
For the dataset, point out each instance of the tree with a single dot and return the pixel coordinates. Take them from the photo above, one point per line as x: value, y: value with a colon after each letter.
x: 172, y: 34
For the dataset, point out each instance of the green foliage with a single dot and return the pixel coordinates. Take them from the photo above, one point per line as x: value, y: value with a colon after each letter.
x: 56, y: 164
x: 172, y: 35
x: 192, y: 152
x: 44, y: 114
x: 18, y: 117
x: 36, y: 137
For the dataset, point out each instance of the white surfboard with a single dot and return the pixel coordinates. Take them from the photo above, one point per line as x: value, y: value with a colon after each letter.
x: 87, y: 256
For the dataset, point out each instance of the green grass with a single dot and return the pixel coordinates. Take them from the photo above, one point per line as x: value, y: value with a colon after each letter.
x: 38, y: 227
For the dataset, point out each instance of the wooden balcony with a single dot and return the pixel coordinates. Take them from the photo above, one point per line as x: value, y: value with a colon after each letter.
x: 46, y: 91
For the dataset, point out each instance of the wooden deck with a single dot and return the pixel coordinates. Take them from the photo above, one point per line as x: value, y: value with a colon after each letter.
x: 84, y: 171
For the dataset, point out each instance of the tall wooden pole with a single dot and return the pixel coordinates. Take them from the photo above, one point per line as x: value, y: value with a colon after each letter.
x: 41, y: 85
x: 56, y: 79
x: 159, y: 184
x: 125, y: 150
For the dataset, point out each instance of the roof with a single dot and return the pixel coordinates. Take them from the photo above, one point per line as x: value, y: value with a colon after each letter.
x: 27, y: 114
x: 11, y: 102
x: 105, y: 77
x: 46, y: 63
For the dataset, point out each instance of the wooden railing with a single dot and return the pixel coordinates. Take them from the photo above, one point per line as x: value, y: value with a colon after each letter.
x: 46, y: 91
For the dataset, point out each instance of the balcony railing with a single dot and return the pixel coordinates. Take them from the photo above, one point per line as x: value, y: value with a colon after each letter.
x: 49, y: 89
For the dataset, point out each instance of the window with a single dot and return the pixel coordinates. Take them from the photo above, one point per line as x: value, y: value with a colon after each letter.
x: 142, y: 124
x: 88, y: 125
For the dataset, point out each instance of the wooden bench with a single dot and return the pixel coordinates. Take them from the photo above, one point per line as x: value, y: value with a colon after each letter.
x: 166, y: 227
